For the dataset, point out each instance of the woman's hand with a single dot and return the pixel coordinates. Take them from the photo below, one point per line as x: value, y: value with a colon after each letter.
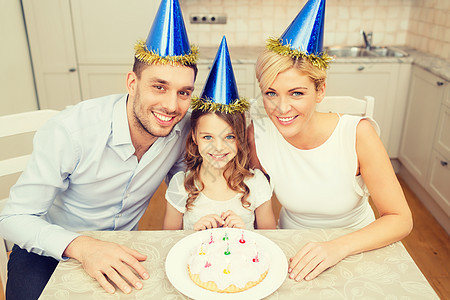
x: 208, y: 222
x: 313, y: 259
x: 106, y: 261
x: 232, y: 220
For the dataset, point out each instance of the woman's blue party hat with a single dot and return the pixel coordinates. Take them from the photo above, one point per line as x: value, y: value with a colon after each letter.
x: 304, y: 36
x: 167, y: 41
x: 220, y: 91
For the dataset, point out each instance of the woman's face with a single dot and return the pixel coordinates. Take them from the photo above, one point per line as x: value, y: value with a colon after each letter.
x: 216, y: 141
x: 290, y: 102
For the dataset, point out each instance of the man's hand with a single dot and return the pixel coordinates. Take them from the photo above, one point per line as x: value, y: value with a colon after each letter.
x: 208, y: 222
x: 232, y: 220
x: 105, y: 260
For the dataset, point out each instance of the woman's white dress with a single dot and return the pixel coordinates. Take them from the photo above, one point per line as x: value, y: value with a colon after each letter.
x: 317, y: 188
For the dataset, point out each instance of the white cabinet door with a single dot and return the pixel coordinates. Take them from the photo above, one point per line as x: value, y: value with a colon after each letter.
x: 378, y: 80
x: 50, y: 35
x: 98, y: 81
x: 420, y: 123
x: 106, y: 30
x: 439, y: 182
x: 442, y: 142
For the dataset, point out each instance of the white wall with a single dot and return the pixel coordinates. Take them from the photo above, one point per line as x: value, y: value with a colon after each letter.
x: 16, y: 76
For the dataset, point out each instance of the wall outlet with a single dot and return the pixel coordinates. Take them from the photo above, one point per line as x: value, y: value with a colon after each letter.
x: 208, y: 18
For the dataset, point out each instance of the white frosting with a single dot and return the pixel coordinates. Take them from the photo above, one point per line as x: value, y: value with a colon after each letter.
x: 245, y: 261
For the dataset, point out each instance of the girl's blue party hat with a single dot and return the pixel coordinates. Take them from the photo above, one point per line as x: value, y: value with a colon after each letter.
x: 220, y: 91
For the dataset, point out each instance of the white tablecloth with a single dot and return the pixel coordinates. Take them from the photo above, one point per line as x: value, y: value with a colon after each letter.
x: 386, y: 273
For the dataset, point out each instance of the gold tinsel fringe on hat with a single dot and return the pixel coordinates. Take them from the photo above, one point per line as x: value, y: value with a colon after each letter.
x: 150, y: 57
x: 321, y: 61
x: 241, y: 105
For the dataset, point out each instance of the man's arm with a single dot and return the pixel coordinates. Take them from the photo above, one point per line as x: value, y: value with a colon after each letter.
x: 53, y: 159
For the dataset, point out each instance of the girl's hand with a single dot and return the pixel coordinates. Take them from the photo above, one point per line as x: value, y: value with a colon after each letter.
x: 313, y: 259
x: 232, y: 220
x: 208, y: 222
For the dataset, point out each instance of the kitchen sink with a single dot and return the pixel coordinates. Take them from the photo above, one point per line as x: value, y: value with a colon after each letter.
x: 359, y: 51
x: 388, y: 51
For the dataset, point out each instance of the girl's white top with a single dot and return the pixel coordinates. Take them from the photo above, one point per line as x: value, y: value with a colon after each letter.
x: 260, y: 192
x: 317, y: 188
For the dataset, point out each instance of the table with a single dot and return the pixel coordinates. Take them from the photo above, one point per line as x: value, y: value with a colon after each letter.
x: 386, y: 273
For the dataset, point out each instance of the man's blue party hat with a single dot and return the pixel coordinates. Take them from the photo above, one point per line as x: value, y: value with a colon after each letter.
x: 220, y: 91
x: 304, y: 36
x: 167, y: 41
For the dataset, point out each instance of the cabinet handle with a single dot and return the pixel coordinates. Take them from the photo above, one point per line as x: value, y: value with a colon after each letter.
x: 72, y: 70
x: 360, y: 68
x: 444, y: 163
x: 439, y: 83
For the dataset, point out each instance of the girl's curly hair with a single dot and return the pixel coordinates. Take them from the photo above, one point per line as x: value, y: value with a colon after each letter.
x: 235, y: 171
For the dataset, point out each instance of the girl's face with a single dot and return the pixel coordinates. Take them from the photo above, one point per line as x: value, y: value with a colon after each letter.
x: 216, y: 141
x: 290, y: 102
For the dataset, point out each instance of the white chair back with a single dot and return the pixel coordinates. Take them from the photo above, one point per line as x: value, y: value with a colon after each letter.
x: 16, y: 145
x: 347, y: 105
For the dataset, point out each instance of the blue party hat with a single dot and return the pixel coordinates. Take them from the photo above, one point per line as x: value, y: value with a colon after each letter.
x: 167, y: 41
x: 304, y: 36
x: 220, y: 91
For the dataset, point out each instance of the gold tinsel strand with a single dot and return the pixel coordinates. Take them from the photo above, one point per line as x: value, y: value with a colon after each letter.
x: 150, y: 57
x: 321, y: 61
x: 241, y: 105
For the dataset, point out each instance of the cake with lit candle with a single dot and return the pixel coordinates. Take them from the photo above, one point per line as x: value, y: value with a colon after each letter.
x: 227, y: 262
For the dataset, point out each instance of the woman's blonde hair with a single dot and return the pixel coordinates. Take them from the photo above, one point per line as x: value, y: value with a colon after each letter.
x: 235, y: 171
x: 270, y: 64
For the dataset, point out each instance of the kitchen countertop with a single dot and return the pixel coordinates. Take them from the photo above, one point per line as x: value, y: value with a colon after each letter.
x: 248, y: 55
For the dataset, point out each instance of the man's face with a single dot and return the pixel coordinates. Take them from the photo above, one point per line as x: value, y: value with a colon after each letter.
x: 161, y: 97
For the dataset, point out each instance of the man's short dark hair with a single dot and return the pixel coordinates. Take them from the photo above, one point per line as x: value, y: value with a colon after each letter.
x: 139, y: 66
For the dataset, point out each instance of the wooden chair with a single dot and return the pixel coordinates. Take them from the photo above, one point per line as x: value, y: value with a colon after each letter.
x: 348, y: 105
x: 16, y: 145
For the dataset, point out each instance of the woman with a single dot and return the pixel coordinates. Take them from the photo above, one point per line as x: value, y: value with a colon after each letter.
x: 323, y: 165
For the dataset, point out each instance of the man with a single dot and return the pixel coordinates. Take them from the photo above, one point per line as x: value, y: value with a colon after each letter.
x: 96, y: 165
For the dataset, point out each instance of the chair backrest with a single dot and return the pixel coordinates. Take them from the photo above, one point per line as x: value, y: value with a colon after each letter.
x: 16, y: 145
x: 347, y: 105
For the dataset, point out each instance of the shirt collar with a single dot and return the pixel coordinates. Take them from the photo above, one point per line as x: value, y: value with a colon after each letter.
x: 120, y: 128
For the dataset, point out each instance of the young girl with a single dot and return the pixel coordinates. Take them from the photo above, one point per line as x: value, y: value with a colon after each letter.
x: 218, y: 189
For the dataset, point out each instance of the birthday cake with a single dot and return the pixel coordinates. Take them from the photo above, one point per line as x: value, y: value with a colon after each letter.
x: 227, y: 262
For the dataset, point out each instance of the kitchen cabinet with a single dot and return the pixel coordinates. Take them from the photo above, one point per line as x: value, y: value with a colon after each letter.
x: 386, y: 82
x: 52, y: 46
x: 80, y: 49
x: 425, y: 146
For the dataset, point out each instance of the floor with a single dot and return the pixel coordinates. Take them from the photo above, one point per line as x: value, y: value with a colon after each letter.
x: 428, y: 243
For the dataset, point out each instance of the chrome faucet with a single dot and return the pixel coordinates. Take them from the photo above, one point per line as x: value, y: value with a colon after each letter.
x: 367, y: 39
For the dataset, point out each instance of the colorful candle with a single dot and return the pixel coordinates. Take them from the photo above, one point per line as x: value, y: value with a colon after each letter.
x: 256, y: 259
x: 227, y: 270
x: 242, y: 241
x: 227, y: 252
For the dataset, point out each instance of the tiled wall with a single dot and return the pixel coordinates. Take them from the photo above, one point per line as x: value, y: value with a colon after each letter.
x: 423, y: 24
x: 429, y: 27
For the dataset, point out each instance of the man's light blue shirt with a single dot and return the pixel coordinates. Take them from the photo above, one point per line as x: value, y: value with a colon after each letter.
x: 83, y: 175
